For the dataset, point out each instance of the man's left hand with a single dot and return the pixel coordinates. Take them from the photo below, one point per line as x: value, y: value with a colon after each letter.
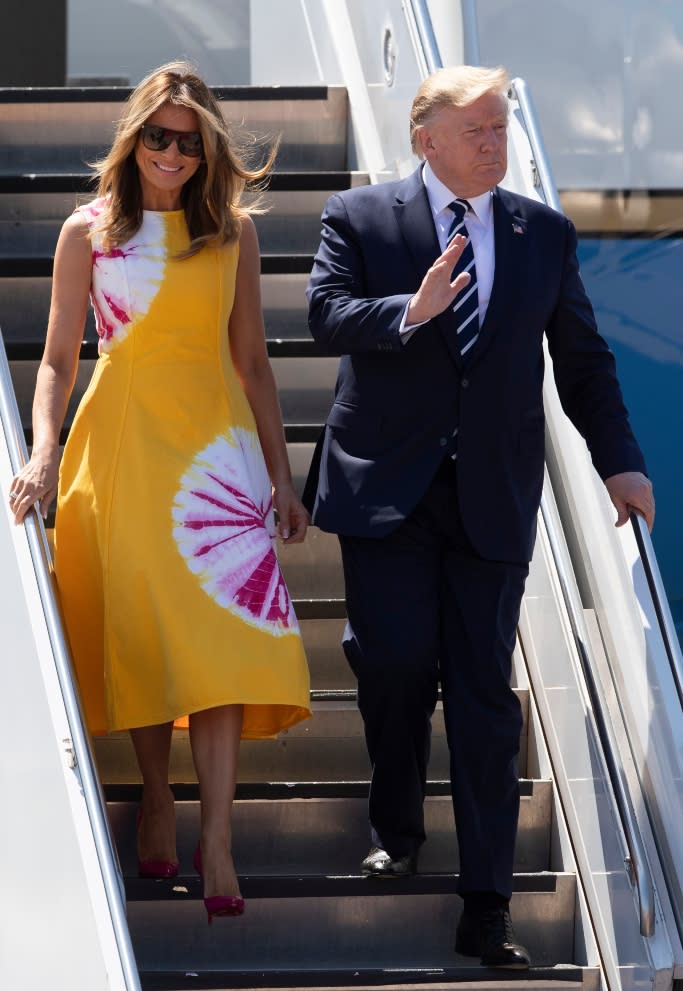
x: 631, y: 492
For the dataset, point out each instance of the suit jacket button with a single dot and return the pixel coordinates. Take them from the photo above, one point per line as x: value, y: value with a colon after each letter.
x: 443, y: 441
x: 465, y: 383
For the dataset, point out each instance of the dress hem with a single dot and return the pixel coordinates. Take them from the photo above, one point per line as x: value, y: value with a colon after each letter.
x: 296, y: 715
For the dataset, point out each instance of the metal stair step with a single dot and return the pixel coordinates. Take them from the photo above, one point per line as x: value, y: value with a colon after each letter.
x: 45, y: 184
x: 305, y: 378
x: 60, y: 130
x: 320, y: 609
x: 33, y: 208
x: 50, y: 96
x: 291, y: 227
x: 563, y: 977
x: 296, y: 403
x: 284, y: 304
x: 337, y: 922
x: 328, y: 746
x: 324, y: 834
x: 326, y: 660
x: 25, y: 303
x: 305, y: 386
x: 36, y: 263
x: 30, y: 349
x: 313, y: 569
x: 295, y: 433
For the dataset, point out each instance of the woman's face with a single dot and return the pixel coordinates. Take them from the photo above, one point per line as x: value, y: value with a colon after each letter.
x: 163, y: 173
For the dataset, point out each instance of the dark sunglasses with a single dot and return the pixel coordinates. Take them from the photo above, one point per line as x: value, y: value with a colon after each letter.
x: 158, y: 138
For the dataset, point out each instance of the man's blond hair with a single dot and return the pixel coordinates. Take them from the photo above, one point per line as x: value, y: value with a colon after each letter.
x: 456, y: 86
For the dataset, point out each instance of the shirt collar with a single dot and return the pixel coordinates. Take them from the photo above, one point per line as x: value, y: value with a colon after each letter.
x: 440, y: 197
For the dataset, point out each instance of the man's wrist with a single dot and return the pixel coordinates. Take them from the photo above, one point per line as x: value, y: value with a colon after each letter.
x: 413, y: 315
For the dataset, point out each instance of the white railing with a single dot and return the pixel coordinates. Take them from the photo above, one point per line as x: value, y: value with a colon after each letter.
x: 89, y: 939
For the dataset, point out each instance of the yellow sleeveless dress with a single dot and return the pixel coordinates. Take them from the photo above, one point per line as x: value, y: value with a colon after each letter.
x: 165, y: 563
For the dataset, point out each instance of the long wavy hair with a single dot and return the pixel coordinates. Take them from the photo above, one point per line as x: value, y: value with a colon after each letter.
x: 211, y: 198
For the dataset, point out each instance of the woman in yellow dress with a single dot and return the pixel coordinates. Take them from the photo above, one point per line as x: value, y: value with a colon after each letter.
x: 171, y: 594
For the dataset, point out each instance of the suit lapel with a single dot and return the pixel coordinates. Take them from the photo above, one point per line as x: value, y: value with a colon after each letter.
x: 508, y: 230
x: 416, y: 222
x: 414, y: 217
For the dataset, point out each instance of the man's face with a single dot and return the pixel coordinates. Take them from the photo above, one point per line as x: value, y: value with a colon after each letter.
x: 467, y: 146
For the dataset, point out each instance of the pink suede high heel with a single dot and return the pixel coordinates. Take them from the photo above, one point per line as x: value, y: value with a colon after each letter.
x: 155, y: 869
x: 218, y: 905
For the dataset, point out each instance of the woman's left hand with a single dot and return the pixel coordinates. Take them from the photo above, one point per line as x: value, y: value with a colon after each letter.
x: 293, y: 518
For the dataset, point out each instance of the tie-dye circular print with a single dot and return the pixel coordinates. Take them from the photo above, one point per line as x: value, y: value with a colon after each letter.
x: 225, y: 530
x: 121, y: 294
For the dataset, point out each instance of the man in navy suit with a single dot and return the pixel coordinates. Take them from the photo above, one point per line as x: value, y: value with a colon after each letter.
x: 430, y: 467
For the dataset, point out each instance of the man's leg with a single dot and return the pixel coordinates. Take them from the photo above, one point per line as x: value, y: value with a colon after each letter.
x: 481, y: 601
x: 391, y: 643
x: 483, y: 722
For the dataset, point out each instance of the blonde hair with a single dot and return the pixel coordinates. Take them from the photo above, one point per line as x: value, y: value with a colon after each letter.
x: 455, y: 86
x: 211, y: 197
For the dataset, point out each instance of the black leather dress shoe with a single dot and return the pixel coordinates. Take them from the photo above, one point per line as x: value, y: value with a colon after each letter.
x: 379, y: 863
x: 490, y: 935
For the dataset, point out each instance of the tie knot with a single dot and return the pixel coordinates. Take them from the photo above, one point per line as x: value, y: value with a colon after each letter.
x: 459, y: 208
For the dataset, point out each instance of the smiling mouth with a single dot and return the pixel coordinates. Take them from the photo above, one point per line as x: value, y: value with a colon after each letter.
x: 168, y: 170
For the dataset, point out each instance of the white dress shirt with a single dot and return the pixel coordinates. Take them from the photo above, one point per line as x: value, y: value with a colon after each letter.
x: 479, y: 222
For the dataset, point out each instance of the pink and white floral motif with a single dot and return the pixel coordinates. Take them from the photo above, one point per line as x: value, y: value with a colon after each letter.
x: 125, y: 280
x: 225, y: 530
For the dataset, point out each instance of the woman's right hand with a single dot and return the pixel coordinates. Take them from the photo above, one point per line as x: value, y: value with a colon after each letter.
x: 36, y: 483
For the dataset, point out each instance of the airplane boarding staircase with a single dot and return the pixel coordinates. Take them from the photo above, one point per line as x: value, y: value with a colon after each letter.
x: 593, y: 898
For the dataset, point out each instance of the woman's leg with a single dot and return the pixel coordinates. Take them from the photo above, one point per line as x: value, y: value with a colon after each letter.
x: 156, y: 836
x: 215, y: 739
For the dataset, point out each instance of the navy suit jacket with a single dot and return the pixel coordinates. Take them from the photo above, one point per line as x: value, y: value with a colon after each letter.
x: 397, y: 404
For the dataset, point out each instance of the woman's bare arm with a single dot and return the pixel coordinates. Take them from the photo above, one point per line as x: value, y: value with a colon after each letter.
x: 37, y: 481
x: 250, y: 355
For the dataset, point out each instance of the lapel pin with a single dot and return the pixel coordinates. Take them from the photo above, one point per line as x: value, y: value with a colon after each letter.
x: 517, y: 229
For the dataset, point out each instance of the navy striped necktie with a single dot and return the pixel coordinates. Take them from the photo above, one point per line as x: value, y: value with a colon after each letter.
x: 466, y: 306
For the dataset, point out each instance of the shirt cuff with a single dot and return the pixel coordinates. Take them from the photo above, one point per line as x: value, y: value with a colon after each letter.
x: 406, y: 330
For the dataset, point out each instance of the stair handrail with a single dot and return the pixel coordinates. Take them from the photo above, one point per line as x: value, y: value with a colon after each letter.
x: 419, y: 13
x: 544, y: 177
x: 660, y: 602
x: 80, y: 739
x: 636, y: 849
x: 637, y: 858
